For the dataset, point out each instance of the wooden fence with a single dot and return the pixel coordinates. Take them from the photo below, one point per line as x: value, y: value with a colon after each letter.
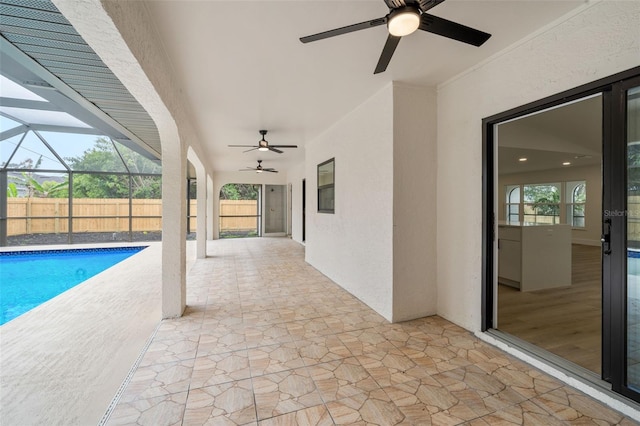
x: 236, y: 215
x: 50, y: 215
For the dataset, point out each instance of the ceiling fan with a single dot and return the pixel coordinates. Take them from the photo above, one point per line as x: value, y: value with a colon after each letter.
x: 405, y: 17
x: 263, y: 145
x: 259, y: 169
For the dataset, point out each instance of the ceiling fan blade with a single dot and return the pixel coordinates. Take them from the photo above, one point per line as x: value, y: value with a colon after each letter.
x: 252, y: 149
x: 387, y: 53
x: 270, y: 171
x: 283, y: 146
x: 275, y: 150
x: 392, y: 4
x: 240, y: 146
x: 453, y: 30
x: 345, y: 30
x: 428, y: 4
x: 247, y: 170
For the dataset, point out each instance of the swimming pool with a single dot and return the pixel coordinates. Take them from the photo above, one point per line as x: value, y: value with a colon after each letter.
x: 30, y: 278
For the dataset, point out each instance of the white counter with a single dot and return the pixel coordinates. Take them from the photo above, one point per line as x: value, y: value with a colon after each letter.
x: 534, y: 256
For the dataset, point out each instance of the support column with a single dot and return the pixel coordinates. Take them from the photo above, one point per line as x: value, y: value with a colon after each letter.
x: 201, y: 218
x: 211, y: 222
x: 142, y: 66
x: 174, y: 229
x: 216, y: 187
x: 414, y: 191
x: 3, y: 208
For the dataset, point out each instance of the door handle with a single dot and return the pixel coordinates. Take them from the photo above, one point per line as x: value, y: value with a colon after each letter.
x: 605, y: 239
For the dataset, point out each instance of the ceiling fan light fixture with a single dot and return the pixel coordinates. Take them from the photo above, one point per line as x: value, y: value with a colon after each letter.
x: 403, y: 21
x: 263, y: 145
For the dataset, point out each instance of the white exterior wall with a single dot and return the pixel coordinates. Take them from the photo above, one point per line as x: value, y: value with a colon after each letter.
x: 599, y: 40
x: 414, y: 196
x: 294, y: 177
x: 353, y: 247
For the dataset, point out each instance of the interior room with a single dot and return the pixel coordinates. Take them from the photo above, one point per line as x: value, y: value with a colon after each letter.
x: 550, y: 293
x: 441, y: 203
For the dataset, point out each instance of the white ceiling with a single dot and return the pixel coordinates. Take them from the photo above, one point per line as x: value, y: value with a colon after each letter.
x: 242, y: 68
x: 569, y: 133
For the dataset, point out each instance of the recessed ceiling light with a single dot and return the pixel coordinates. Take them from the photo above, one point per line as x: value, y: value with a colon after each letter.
x: 566, y: 163
x: 522, y: 159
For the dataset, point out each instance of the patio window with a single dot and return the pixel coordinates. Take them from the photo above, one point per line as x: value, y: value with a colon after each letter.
x: 326, y: 190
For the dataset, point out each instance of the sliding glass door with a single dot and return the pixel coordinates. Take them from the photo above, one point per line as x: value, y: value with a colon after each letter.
x: 561, y: 240
x: 632, y: 293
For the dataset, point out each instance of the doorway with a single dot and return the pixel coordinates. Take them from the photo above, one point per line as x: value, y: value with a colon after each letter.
x: 240, y: 211
x: 275, y: 209
x: 560, y: 278
x: 549, y: 195
x: 304, y: 209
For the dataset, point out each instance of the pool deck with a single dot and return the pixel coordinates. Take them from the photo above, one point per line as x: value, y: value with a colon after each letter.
x: 44, y: 378
x: 267, y: 340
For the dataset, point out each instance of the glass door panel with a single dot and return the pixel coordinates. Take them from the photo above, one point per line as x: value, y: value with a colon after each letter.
x: 549, y: 205
x: 633, y: 240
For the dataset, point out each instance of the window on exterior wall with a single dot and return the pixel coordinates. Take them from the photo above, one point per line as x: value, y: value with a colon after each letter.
x: 576, y: 202
x: 513, y: 203
x: 542, y: 203
x: 326, y: 193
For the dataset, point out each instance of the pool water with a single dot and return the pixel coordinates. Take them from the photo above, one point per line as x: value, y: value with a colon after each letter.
x: 30, y: 278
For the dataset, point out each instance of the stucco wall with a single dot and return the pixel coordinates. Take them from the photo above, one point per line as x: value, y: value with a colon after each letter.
x: 353, y: 247
x: 414, y: 195
x: 598, y: 40
x: 294, y: 177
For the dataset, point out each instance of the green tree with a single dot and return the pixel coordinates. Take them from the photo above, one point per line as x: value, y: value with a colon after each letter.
x: 51, y: 189
x: 633, y: 169
x: 239, y: 191
x: 35, y: 188
x: 46, y: 189
x: 12, y: 190
x: 100, y: 186
x: 544, y: 198
x: 103, y: 157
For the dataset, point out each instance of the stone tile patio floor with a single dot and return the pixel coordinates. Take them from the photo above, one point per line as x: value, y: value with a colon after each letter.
x: 267, y: 339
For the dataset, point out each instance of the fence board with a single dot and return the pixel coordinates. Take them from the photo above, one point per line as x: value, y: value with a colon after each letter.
x: 57, y: 210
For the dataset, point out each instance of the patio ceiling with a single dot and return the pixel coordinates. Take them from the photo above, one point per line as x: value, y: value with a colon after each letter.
x: 238, y: 79
x: 241, y: 67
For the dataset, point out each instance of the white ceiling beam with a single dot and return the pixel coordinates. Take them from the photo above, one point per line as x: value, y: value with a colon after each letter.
x: 19, y: 67
x: 12, y: 132
x: 28, y: 104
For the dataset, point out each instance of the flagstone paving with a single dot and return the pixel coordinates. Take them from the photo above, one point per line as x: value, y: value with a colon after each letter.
x: 267, y: 339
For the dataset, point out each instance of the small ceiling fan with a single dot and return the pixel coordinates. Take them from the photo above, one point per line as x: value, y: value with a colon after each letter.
x: 259, y: 169
x: 405, y: 17
x: 263, y: 145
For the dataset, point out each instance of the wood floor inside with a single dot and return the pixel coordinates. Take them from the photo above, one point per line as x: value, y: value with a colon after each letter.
x: 566, y: 321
